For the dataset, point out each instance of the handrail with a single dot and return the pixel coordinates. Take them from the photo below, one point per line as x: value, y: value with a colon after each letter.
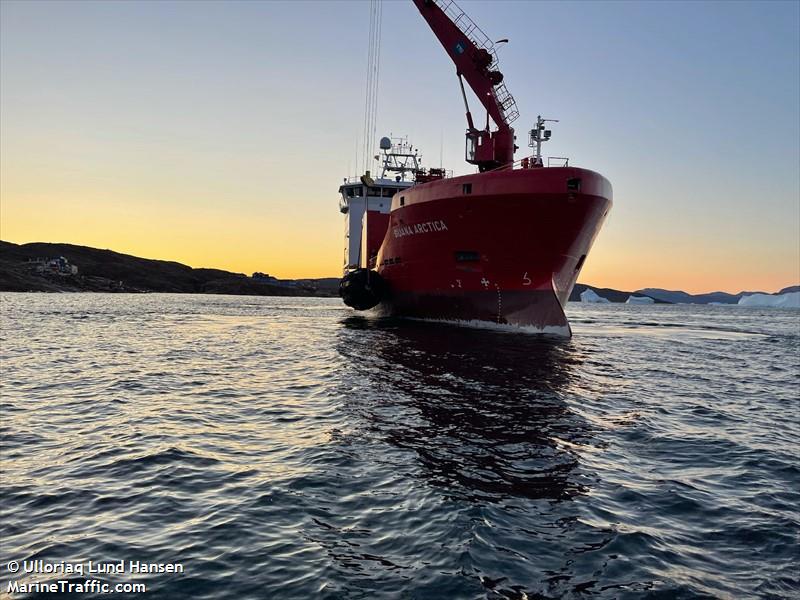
x: 528, y: 160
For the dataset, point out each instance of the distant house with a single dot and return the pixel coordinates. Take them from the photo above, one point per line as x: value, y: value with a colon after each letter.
x: 55, y: 266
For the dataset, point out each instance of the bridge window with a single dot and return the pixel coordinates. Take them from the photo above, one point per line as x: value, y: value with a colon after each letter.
x: 354, y: 191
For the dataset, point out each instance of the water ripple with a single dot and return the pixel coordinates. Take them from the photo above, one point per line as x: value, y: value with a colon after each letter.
x: 285, y: 448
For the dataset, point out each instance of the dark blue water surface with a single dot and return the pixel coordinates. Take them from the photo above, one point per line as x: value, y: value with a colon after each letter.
x: 286, y: 448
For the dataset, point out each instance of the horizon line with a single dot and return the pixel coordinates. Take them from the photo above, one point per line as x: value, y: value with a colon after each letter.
x: 641, y: 289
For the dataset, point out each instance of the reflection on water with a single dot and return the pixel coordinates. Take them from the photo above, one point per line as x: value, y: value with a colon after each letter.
x: 483, y: 410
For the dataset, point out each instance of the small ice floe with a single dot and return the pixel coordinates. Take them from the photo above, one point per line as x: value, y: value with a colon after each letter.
x: 589, y: 296
x: 639, y: 300
x: 788, y: 300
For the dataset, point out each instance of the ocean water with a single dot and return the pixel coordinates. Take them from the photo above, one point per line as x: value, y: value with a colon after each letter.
x: 287, y: 448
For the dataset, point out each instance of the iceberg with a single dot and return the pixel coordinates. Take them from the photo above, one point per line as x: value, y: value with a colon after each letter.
x: 789, y: 300
x: 639, y: 300
x: 590, y: 297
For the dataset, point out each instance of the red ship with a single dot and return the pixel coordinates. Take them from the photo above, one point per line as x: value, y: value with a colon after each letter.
x: 502, y: 246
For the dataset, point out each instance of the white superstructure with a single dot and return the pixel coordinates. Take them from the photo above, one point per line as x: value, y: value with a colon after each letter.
x: 362, y: 195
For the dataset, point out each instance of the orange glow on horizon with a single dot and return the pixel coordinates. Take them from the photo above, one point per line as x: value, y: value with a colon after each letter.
x: 303, y: 238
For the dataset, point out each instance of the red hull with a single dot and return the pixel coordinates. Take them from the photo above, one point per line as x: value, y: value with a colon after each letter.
x: 504, y: 246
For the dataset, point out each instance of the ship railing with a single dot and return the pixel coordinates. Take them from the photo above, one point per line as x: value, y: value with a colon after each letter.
x: 529, y: 162
x: 355, y: 179
x: 351, y: 180
x: 438, y: 173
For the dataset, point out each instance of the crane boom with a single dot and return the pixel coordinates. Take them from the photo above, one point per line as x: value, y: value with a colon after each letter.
x: 476, y: 61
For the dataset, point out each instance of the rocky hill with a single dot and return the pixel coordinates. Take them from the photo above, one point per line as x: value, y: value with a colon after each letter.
x: 108, y: 271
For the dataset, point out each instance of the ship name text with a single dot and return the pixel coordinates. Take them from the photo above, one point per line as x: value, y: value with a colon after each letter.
x: 416, y: 228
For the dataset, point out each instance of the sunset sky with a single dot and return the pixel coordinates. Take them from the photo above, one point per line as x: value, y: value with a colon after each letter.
x: 217, y: 133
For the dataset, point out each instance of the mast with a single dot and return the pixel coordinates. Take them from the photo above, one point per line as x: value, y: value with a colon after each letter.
x: 475, y: 59
x: 538, y: 135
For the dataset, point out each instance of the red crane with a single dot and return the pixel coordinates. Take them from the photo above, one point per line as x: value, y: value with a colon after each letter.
x: 476, y: 61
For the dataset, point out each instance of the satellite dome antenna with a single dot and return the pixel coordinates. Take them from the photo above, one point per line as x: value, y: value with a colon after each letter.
x: 386, y: 143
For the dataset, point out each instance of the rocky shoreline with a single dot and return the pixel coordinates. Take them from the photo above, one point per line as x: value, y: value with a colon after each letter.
x: 44, y: 267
